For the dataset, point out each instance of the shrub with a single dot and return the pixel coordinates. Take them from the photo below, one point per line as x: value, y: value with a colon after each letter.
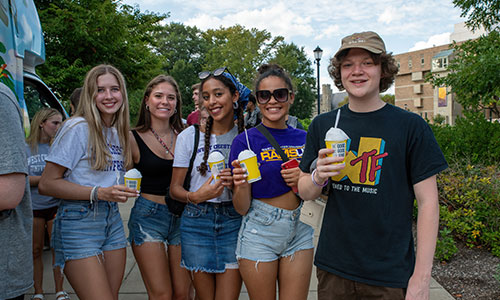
x: 305, y: 123
x: 470, y: 205
x: 445, y: 247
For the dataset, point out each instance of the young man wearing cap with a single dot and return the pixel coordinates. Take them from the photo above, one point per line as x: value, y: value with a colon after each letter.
x: 366, y: 247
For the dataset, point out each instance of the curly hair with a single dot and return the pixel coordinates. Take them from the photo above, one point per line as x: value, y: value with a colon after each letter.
x: 386, y: 60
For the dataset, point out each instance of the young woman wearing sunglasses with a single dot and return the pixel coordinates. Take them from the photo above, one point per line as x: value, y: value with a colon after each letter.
x: 272, y: 243
x: 210, y: 224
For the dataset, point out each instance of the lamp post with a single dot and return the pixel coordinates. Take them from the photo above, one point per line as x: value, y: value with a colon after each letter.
x: 317, y: 55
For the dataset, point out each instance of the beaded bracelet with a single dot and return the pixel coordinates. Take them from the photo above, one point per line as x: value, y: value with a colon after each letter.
x: 93, y: 194
x: 314, y: 181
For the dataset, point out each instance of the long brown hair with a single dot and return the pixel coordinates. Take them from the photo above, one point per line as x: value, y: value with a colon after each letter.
x: 87, y: 109
x: 144, y: 120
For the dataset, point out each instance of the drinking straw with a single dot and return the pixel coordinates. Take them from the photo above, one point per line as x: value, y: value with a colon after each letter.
x: 337, y: 119
x: 248, y: 142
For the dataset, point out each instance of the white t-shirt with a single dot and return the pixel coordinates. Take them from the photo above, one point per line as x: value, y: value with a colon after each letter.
x: 184, y: 149
x: 70, y: 150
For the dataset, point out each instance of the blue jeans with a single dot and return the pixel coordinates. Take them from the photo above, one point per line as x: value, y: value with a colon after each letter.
x: 83, y: 230
x: 152, y: 222
x: 209, y: 232
x: 268, y: 233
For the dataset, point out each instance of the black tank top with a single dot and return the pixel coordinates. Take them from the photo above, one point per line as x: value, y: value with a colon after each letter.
x: 156, y: 171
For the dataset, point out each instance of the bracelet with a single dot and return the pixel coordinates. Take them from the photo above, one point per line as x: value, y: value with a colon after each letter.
x: 314, y: 181
x: 93, y: 194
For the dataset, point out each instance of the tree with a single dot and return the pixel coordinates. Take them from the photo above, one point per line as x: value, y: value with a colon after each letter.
x: 388, y: 98
x: 295, y: 61
x: 82, y: 34
x: 241, y: 50
x: 183, y: 49
x: 474, y: 72
x: 480, y: 12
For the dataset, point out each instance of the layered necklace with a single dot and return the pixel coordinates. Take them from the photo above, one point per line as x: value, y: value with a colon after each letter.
x: 163, y: 143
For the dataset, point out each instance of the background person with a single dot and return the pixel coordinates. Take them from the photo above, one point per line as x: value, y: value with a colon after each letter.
x: 74, y: 100
x: 273, y: 244
x: 154, y: 230
x: 366, y: 246
x: 194, y: 116
x: 44, y: 127
x: 84, y: 168
x: 209, y: 224
x: 16, y: 216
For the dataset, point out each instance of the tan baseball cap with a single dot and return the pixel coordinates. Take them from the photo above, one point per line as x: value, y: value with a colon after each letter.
x: 367, y: 40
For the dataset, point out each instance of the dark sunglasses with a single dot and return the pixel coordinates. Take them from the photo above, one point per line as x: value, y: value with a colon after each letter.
x: 281, y: 95
x: 217, y: 72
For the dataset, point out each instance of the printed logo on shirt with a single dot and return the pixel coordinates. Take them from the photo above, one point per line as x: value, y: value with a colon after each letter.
x: 116, y: 163
x: 365, y: 165
x: 269, y: 154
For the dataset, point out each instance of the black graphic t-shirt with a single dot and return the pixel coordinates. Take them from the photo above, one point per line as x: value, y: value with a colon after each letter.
x: 366, y: 234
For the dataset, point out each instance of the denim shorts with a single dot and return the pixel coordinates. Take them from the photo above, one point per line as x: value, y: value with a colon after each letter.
x: 268, y: 233
x: 209, y: 233
x: 152, y: 222
x: 83, y: 230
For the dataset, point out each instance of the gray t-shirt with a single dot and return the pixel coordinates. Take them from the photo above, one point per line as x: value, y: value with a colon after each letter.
x: 36, y: 164
x: 16, y: 264
x: 184, y: 149
x: 70, y: 150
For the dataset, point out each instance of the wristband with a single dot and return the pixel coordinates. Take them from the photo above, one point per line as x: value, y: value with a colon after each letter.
x: 314, y: 181
x: 93, y: 194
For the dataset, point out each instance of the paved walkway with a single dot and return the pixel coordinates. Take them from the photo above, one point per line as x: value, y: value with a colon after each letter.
x: 133, y: 287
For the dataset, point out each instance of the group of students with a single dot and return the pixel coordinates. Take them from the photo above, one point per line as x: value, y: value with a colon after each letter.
x: 231, y: 230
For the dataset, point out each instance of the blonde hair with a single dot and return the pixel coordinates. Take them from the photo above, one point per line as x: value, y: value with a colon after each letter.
x: 35, y: 130
x: 100, y: 155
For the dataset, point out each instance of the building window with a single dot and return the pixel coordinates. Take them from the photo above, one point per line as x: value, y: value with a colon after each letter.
x: 422, y: 60
x: 398, y: 63
x: 440, y: 63
x: 409, y: 63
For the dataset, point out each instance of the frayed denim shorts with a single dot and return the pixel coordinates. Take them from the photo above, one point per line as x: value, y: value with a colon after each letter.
x: 209, y: 232
x: 83, y: 230
x: 152, y: 222
x: 268, y: 233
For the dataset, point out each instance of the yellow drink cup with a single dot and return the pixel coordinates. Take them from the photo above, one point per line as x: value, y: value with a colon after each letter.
x: 133, y: 180
x: 339, y: 147
x: 216, y: 163
x: 248, y: 161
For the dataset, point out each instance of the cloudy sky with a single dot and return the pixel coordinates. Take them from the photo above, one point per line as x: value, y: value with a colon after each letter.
x: 405, y: 25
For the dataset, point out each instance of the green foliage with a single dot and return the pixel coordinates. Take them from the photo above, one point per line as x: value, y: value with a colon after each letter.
x: 388, y: 98
x: 242, y: 50
x: 438, y: 119
x: 473, y: 139
x: 295, y: 61
x: 305, y: 123
x: 445, y: 247
x: 82, y: 34
x: 484, y: 12
x: 343, y: 102
x: 474, y: 75
x: 183, y: 49
x: 470, y: 205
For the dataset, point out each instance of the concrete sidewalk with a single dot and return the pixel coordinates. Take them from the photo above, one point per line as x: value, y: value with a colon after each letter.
x: 133, y: 287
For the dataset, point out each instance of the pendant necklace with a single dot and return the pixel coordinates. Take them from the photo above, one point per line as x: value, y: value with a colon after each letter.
x: 162, y: 143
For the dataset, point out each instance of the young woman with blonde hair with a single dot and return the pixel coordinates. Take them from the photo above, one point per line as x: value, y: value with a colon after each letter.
x: 84, y: 168
x: 44, y: 126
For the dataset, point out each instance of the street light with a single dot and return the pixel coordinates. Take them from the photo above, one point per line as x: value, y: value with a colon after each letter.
x: 317, y: 55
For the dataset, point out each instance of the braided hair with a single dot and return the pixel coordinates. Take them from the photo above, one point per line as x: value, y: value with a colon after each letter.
x: 203, y: 167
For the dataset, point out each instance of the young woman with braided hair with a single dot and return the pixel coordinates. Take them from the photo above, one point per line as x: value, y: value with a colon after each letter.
x: 210, y: 224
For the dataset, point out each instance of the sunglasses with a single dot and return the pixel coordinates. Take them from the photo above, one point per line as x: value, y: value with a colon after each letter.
x: 217, y: 72
x: 281, y: 95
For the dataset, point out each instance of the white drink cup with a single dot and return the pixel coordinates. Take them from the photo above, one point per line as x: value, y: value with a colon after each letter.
x: 133, y: 180
x: 216, y: 163
x: 248, y: 161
